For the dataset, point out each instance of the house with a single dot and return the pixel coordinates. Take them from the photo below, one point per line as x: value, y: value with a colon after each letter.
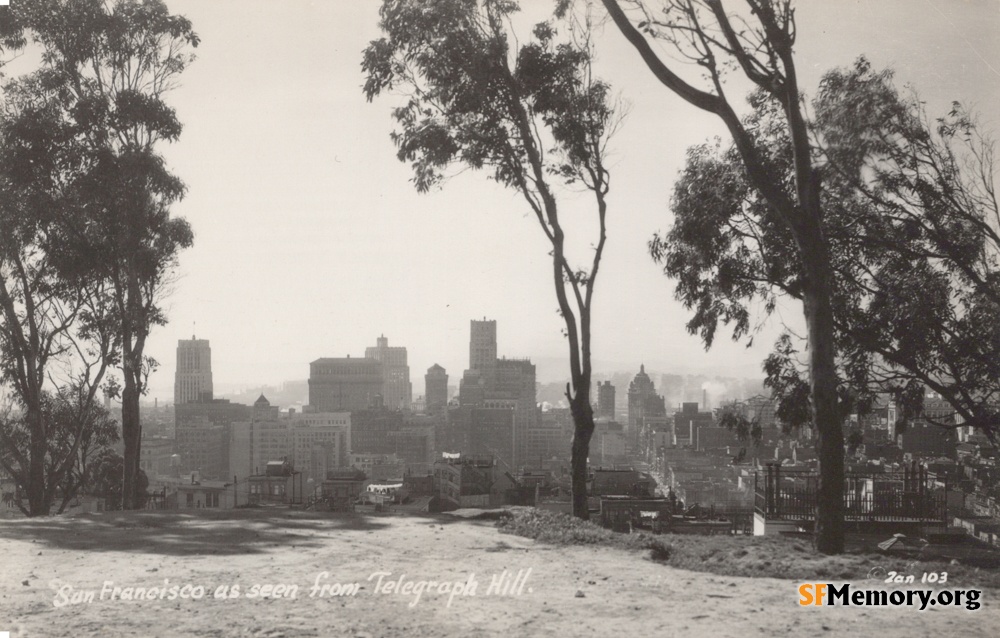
x: 190, y: 491
x: 279, y: 484
x: 211, y: 494
x: 342, y: 487
x: 472, y: 481
x: 418, y: 485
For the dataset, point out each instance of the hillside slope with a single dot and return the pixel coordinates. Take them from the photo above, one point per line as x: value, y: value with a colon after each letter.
x: 578, y: 591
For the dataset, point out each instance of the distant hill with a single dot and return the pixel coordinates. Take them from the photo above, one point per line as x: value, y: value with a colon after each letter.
x: 288, y: 394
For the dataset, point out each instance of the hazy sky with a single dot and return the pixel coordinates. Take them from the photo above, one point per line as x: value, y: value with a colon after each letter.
x: 310, y: 240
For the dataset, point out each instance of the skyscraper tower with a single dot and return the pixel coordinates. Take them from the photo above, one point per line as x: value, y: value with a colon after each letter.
x: 482, y: 344
x: 396, y: 390
x: 606, y: 400
x: 193, y: 379
x: 436, y: 389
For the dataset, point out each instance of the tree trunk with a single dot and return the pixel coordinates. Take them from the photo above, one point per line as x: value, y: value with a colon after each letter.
x: 829, y: 536
x: 804, y: 218
x: 135, y: 322
x: 583, y: 430
x: 132, y: 438
x: 38, y: 446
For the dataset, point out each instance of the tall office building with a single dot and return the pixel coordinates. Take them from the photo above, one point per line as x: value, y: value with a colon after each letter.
x: 514, y: 379
x: 345, y: 384
x: 482, y: 344
x: 505, y: 384
x: 193, y: 379
x: 606, y: 400
x: 436, y: 389
x: 396, y: 389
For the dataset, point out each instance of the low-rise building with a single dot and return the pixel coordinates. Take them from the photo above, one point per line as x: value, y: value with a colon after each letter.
x: 190, y: 491
x: 278, y: 484
x: 621, y: 482
x: 342, y: 487
x: 472, y: 481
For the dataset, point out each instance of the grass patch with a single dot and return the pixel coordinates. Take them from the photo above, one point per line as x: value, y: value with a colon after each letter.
x: 751, y: 556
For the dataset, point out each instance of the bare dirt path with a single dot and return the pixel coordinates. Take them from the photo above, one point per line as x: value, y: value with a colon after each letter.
x: 569, y: 591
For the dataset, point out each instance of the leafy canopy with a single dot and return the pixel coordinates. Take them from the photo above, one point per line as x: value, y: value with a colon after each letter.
x: 911, y: 218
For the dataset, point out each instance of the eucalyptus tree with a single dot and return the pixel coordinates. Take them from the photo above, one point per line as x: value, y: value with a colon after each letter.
x: 110, y: 64
x: 912, y: 219
x: 759, y: 46
x: 920, y: 230
x: 526, y: 109
x: 55, y: 339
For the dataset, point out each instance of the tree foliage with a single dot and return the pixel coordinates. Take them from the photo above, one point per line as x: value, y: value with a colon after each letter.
x: 76, y: 430
x: 105, y: 481
x: 90, y: 121
x: 911, y: 217
x: 53, y: 330
x: 759, y: 45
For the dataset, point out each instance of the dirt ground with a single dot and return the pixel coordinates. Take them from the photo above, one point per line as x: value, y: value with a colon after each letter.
x: 569, y: 591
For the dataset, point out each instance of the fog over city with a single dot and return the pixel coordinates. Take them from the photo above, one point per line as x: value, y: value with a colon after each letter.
x: 310, y: 240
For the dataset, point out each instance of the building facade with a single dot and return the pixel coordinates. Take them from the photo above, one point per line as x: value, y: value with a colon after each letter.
x: 215, y: 411
x: 471, y: 481
x: 320, y: 441
x: 397, y: 393
x: 606, y: 400
x: 202, y: 448
x: 640, y: 388
x: 264, y: 438
x: 646, y: 408
x: 345, y: 384
x: 482, y: 343
x: 155, y: 455
x: 687, y: 421
x: 436, y: 390
x: 203, y: 433
x: 503, y: 383
x: 193, y: 378
x: 370, y: 430
x: 491, y: 431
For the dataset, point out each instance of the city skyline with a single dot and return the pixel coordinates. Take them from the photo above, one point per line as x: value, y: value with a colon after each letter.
x: 718, y: 386
x: 306, y: 350
x: 310, y: 241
